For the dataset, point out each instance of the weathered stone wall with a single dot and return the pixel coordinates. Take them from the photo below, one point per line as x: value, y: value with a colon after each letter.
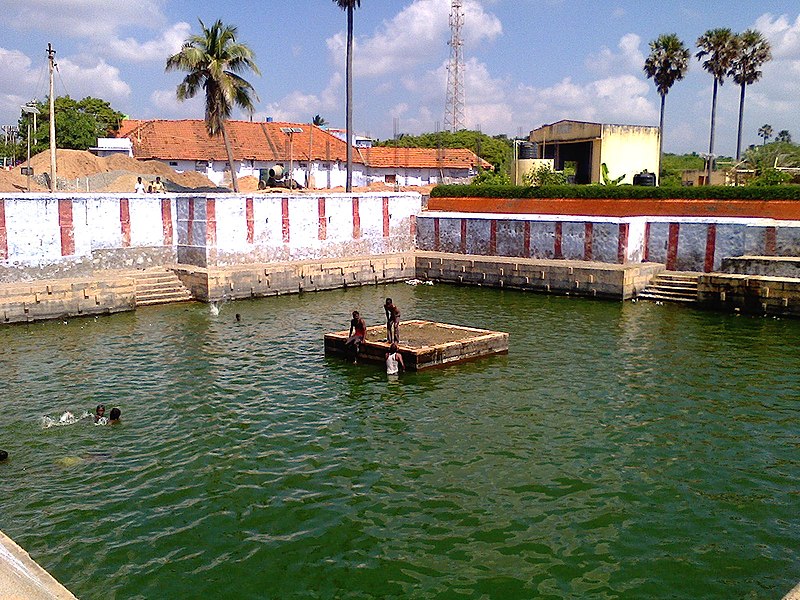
x: 45, y: 236
x: 750, y: 294
x: 580, y: 278
x: 61, y: 298
x: 681, y: 243
x: 257, y: 280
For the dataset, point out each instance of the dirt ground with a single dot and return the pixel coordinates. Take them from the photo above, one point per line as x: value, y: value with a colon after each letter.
x: 419, y: 335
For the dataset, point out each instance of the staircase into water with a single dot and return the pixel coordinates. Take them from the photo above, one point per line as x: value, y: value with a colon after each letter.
x: 670, y: 286
x: 159, y: 286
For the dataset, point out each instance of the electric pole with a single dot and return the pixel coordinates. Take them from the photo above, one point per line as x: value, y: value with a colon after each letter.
x: 51, y: 59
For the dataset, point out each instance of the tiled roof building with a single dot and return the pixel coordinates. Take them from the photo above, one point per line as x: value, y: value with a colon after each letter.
x: 317, y: 157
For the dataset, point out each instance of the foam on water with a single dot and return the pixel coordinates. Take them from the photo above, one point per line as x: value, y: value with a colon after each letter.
x: 67, y: 418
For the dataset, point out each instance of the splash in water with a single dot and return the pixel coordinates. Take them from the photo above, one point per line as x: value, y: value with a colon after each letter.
x: 67, y: 418
x: 214, y: 308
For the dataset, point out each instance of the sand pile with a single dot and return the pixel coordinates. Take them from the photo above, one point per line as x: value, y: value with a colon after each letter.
x: 70, y: 164
x: 12, y: 181
x: 122, y: 171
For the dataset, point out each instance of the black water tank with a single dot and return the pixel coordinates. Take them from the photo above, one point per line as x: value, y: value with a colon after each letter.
x: 527, y: 150
x: 645, y: 178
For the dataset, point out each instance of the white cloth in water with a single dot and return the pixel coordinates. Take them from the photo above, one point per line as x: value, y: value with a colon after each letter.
x: 392, y: 364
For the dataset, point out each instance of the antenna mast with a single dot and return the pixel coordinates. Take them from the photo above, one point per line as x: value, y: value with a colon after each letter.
x: 455, y: 102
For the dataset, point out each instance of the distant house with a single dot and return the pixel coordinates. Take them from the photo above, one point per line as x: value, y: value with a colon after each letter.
x: 626, y: 150
x: 315, y: 157
x: 108, y: 146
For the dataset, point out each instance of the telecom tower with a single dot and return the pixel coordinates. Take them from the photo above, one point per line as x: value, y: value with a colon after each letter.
x: 455, y: 102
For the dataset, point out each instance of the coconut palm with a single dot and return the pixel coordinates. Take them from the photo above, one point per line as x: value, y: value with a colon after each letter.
x: 718, y: 47
x: 213, y: 60
x: 765, y: 131
x: 753, y: 50
x: 667, y: 63
x: 349, y: 6
x: 319, y: 121
x: 784, y: 136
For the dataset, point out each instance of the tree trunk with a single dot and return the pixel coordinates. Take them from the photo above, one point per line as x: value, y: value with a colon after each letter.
x: 349, y: 102
x: 229, y: 151
x: 741, y: 118
x: 660, y: 140
x: 710, y: 162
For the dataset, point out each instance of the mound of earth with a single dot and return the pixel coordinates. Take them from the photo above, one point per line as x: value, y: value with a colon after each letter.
x: 12, y: 181
x: 75, y: 164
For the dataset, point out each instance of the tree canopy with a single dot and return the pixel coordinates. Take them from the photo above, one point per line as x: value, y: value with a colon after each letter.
x: 497, y: 150
x: 213, y: 60
x: 78, y: 123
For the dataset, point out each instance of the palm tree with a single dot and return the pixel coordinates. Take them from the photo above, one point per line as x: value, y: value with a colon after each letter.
x: 349, y: 6
x: 213, y: 60
x: 719, y: 45
x: 784, y: 136
x: 752, y: 52
x: 765, y: 131
x: 319, y: 121
x: 667, y: 63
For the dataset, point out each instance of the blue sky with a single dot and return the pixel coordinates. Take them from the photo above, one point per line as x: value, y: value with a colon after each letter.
x: 528, y: 62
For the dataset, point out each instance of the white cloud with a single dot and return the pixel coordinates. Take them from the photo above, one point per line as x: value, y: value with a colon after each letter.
x: 158, y: 49
x: 783, y: 35
x: 411, y: 37
x: 629, y: 58
x: 169, y: 107
x: 92, y: 77
x: 301, y: 107
x: 95, y: 19
x: 77, y: 76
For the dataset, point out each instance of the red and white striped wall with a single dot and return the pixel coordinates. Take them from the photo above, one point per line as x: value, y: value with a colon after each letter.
x: 682, y: 244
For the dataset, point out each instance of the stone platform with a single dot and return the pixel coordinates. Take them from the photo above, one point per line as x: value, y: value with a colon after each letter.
x: 424, y: 344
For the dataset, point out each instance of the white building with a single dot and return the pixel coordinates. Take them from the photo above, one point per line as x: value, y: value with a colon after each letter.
x: 315, y: 158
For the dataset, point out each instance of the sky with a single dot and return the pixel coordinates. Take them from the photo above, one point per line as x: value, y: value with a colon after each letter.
x: 527, y: 62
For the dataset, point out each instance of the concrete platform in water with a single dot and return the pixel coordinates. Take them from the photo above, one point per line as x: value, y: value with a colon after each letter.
x: 424, y: 344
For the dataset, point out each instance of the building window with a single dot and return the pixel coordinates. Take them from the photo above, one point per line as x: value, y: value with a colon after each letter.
x: 391, y: 179
x: 173, y: 163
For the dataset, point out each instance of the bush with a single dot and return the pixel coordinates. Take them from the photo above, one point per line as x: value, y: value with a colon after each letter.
x: 773, y: 192
x: 771, y: 177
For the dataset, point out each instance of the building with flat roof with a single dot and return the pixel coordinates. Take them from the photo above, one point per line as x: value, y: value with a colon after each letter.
x: 583, y: 147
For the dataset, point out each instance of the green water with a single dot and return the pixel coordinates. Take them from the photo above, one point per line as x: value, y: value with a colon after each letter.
x: 618, y: 451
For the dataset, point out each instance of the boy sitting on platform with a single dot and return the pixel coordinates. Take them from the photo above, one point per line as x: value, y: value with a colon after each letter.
x: 358, y: 331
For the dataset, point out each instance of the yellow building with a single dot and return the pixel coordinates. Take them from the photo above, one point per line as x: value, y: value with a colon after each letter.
x: 582, y: 148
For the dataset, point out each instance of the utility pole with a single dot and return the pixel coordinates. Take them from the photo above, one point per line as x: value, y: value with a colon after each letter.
x: 51, y: 59
x: 455, y: 102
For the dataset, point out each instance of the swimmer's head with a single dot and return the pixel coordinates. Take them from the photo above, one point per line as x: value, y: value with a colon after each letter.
x: 3, y: 455
x: 101, y: 408
x: 115, y: 414
x: 393, y: 347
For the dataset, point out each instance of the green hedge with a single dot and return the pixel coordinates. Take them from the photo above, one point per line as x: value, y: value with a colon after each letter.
x: 716, y: 192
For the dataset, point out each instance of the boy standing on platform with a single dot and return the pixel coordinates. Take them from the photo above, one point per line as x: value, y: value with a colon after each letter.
x: 392, y: 321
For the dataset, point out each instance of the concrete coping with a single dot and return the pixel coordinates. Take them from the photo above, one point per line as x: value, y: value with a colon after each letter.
x: 22, y: 577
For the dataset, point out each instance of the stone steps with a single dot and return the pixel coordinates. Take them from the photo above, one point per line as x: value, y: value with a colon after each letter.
x: 672, y: 287
x: 159, y: 287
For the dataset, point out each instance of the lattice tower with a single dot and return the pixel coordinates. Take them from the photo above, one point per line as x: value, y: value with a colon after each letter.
x: 455, y: 102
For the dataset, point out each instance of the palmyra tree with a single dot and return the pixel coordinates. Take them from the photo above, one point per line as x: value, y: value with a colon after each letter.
x: 752, y: 52
x: 765, y: 131
x: 349, y: 6
x: 213, y: 60
x: 667, y: 63
x: 718, y: 47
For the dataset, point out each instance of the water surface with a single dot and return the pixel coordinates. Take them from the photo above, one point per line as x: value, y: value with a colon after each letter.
x: 617, y: 451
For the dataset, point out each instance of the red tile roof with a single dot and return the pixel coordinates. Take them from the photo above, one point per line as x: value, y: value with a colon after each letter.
x: 421, y: 158
x: 188, y: 140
